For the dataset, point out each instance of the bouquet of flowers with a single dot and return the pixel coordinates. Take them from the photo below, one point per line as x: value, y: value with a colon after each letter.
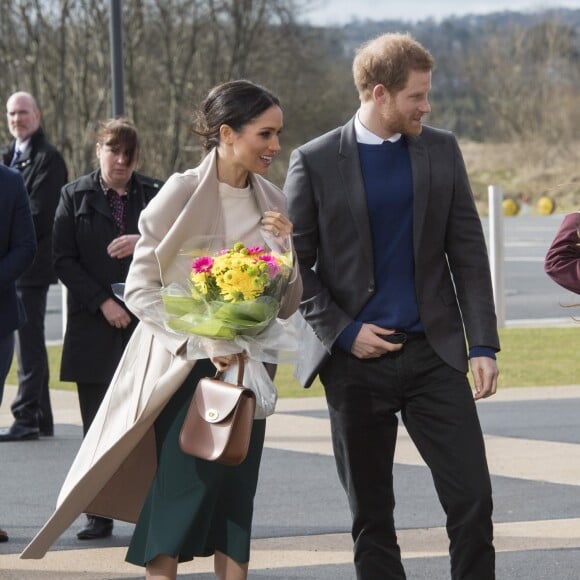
x: 236, y: 291
x: 226, y: 302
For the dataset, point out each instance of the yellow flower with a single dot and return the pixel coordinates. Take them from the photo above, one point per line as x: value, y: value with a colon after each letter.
x: 234, y: 275
x: 240, y: 284
x: 200, y: 284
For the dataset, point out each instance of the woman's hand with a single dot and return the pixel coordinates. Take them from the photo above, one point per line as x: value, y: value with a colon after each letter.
x: 224, y: 362
x: 276, y: 223
x: 123, y: 246
x: 115, y: 314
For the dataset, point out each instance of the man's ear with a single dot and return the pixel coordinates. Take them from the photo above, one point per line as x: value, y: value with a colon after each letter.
x: 380, y: 93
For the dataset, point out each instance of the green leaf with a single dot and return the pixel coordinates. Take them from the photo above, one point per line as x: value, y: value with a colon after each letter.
x: 179, y: 305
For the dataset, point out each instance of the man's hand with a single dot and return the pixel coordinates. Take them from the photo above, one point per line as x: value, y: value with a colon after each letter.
x: 369, y: 344
x: 115, y: 314
x: 123, y: 246
x: 485, y: 372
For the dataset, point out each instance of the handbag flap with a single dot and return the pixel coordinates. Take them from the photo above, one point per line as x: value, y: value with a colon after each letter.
x: 215, y: 400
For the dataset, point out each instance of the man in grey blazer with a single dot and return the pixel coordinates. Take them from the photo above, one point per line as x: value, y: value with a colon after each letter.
x: 396, y: 279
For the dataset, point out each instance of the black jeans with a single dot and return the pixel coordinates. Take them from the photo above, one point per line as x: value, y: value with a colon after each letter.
x: 438, y: 410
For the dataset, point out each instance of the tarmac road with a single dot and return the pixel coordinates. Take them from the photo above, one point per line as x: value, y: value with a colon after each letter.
x: 301, y: 518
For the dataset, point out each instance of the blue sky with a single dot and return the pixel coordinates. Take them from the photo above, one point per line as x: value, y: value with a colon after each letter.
x: 324, y: 12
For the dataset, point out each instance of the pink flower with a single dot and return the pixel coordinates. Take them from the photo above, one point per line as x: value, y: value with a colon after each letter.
x: 273, y: 266
x: 203, y: 265
x: 255, y: 250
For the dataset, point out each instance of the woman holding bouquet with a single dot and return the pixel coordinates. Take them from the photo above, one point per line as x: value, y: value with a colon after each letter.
x: 195, y: 507
x: 185, y: 507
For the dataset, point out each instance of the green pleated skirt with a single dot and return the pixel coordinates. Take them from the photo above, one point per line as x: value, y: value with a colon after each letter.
x: 196, y: 507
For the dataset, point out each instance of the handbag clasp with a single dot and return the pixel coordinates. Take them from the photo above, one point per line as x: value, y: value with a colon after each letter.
x: 212, y: 415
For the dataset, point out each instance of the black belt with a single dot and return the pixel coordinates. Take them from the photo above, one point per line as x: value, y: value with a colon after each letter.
x: 404, y: 336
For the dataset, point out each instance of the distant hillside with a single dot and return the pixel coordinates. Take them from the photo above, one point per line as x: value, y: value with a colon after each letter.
x: 441, y: 35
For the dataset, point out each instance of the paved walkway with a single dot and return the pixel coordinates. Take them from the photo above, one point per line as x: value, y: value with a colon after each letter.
x: 301, y: 520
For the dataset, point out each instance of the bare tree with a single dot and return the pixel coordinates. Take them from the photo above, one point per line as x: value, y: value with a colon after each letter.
x: 527, y: 80
x: 520, y: 82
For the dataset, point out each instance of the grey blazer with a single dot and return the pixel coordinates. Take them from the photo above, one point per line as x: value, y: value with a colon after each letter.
x: 327, y: 205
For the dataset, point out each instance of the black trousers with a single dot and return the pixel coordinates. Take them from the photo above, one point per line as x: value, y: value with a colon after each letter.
x: 6, y: 354
x: 32, y: 407
x: 91, y: 396
x: 438, y: 410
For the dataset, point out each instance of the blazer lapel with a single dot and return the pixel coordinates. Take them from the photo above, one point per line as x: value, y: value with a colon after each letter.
x: 354, y: 191
x: 420, y: 169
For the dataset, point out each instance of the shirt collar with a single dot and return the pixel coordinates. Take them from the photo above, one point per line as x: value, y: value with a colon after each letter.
x: 22, y: 146
x: 107, y: 189
x: 367, y: 137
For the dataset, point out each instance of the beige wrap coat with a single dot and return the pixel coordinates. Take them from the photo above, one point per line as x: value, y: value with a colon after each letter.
x: 114, y: 467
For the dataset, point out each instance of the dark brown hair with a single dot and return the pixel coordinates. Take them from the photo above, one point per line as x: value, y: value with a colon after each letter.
x: 235, y: 103
x: 120, y: 132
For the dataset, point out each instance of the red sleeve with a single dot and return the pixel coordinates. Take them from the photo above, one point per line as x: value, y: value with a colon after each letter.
x: 562, y: 262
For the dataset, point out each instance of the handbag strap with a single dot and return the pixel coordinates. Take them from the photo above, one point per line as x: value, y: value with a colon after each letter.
x: 241, y: 364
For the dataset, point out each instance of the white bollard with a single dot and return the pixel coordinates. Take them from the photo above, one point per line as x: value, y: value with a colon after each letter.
x: 496, y: 250
x: 63, y: 307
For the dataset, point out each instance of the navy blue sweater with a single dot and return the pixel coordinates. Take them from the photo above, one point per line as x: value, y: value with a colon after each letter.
x: 388, y: 182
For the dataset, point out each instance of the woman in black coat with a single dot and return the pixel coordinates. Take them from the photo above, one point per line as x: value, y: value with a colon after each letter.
x: 95, y: 232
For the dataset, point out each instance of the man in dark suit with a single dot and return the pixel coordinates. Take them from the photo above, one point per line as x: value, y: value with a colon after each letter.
x: 44, y: 173
x: 17, y: 248
x: 396, y: 276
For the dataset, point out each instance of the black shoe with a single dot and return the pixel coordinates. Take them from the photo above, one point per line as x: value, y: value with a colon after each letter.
x: 96, y: 528
x: 19, y: 432
x: 3, y: 536
x: 45, y: 425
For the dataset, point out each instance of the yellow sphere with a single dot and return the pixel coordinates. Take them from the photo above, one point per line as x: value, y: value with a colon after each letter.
x: 545, y: 205
x: 510, y: 207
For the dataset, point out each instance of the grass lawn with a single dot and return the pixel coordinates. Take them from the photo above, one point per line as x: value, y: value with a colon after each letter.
x: 530, y: 357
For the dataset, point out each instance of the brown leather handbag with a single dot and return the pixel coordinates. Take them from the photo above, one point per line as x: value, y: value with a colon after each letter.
x: 219, y: 420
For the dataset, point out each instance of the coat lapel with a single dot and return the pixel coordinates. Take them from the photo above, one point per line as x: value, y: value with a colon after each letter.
x: 24, y: 161
x: 262, y: 197
x: 93, y: 199
x: 96, y: 201
x: 201, y: 214
x: 354, y: 191
x: 420, y: 168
